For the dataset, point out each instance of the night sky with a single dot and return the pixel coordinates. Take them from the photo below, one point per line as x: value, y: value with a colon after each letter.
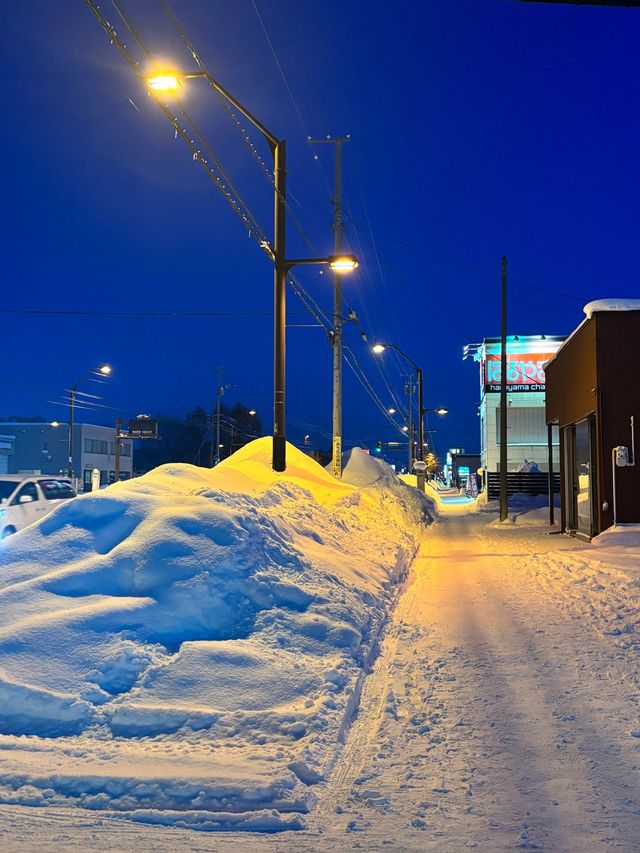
x: 479, y: 128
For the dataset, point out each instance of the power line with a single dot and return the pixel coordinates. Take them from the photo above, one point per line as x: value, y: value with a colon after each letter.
x: 216, y: 172
x: 494, y: 274
x: 171, y: 314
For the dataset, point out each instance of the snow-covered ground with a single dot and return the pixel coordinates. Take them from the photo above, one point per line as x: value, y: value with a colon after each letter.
x: 502, y: 712
x: 188, y: 648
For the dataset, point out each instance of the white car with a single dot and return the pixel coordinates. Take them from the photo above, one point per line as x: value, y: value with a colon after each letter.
x: 24, y: 500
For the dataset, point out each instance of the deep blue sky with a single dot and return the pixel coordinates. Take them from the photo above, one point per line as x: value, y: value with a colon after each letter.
x: 479, y: 128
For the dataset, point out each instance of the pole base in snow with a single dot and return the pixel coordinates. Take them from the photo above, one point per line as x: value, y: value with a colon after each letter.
x: 279, y: 461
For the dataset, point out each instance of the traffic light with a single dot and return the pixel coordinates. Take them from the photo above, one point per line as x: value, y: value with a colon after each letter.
x: 378, y: 447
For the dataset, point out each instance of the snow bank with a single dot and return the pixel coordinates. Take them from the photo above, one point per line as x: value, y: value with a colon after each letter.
x: 619, y: 536
x: 188, y: 647
x: 524, y: 510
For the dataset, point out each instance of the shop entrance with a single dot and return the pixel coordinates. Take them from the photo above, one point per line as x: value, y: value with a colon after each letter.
x: 579, y: 482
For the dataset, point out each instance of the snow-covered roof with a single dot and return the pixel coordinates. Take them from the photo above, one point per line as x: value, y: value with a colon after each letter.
x: 594, y: 307
x: 611, y: 305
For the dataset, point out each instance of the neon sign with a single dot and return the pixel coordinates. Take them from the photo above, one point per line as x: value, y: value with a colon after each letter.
x: 526, y: 358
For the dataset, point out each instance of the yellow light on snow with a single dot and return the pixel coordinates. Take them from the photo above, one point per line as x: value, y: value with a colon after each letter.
x: 343, y: 263
x: 164, y: 82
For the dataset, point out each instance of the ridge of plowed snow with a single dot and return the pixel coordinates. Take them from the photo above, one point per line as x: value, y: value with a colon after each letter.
x: 194, y: 613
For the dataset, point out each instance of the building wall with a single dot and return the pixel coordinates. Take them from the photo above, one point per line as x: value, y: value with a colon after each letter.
x: 96, y: 449
x: 594, y: 374
x: 617, y: 337
x: 43, y: 449
x: 571, y: 378
x: 526, y: 431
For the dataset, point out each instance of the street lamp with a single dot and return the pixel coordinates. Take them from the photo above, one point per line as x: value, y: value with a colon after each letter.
x: 167, y: 83
x: 378, y: 349
x: 103, y: 370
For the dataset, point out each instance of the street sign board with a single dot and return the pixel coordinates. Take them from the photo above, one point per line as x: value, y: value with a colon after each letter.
x: 143, y: 428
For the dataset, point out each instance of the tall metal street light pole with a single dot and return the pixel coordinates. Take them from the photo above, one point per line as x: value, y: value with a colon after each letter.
x: 102, y: 369
x: 380, y: 348
x: 169, y: 83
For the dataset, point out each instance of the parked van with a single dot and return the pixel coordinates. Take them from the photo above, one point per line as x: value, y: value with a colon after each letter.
x: 24, y: 500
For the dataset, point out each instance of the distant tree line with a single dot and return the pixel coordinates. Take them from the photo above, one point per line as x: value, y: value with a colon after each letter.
x: 193, y: 439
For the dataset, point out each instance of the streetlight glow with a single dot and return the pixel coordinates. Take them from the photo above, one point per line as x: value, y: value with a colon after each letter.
x: 391, y: 411
x: 343, y: 263
x: 55, y: 423
x: 166, y: 81
x: 252, y: 411
x: 442, y: 411
x: 378, y: 348
x: 104, y: 369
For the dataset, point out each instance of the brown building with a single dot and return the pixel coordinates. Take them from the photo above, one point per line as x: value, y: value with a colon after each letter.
x: 592, y: 395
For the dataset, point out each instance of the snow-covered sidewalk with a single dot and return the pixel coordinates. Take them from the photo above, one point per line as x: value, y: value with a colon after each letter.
x: 503, y: 710
x: 502, y: 713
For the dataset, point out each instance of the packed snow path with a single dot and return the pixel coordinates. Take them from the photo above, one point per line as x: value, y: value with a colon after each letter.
x: 501, y: 714
x: 503, y: 710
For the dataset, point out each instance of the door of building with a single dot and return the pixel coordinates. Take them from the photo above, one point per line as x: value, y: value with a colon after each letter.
x: 579, y: 485
x: 584, y: 478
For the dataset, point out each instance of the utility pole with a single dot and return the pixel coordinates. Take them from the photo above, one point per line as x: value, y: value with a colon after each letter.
x: 410, y: 432
x: 117, y: 462
x: 72, y: 404
x: 214, y: 455
x: 336, y: 467
x: 504, y: 503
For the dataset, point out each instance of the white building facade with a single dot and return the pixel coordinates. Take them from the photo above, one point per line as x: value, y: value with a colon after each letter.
x: 527, y: 435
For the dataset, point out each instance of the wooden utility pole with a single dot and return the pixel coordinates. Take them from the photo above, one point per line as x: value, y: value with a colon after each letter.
x: 504, y: 502
x: 336, y: 465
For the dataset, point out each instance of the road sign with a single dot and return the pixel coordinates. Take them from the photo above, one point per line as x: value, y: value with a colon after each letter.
x: 143, y: 428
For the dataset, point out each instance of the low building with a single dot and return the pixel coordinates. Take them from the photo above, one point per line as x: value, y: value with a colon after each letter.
x: 41, y: 448
x: 459, y: 465
x: 526, y: 422
x: 593, y: 396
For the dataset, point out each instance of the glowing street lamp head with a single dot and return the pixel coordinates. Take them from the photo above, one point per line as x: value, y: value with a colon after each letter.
x: 378, y: 348
x: 442, y: 411
x: 405, y: 429
x: 391, y: 411
x: 252, y: 412
x: 343, y: 263
x: 55, y: 423
x: 168, y: 82
x: 104, y: 369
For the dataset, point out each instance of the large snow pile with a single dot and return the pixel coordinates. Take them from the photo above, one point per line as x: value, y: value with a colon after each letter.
x: 188, y: 647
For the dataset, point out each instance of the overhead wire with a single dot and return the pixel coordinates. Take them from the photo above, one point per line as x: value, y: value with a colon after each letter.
x: 227, y: 189
x: 494, y: 274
